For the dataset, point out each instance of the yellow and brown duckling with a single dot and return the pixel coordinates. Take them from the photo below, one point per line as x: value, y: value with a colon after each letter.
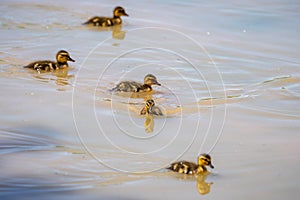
x: 185, y: 167
x: 132, y: 86
x: 62, y: 58
x: 107, y: 21
x: 151, y: 108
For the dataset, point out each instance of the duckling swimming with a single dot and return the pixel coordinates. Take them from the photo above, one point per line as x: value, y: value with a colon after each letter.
x: 106, y: 21
x: 150, y: 108
x: 62, y: 58
x: 185, y: 167
x: 132, y: 86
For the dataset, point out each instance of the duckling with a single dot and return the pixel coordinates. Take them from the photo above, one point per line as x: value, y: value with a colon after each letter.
x: 185, y: 167
x: 62, y: 58
x: 132, y: 86
x: 150, y: 108
x: 106, y: 21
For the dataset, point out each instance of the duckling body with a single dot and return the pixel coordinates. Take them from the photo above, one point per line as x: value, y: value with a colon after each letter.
x: 185, y: 167
x: 151, y: 109
x: 128, y: 86
x: 132, y: 86
x: 46, y: 65
x: 107, y: 21
x: 62, y: 58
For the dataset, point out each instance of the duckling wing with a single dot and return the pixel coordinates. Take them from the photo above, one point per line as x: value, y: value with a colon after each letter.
x: 143, y: 111
x: 184, y: 167
x: 127, y: 86
x: 156, y: 111
x: 100, y: 21
x: 45, y: 65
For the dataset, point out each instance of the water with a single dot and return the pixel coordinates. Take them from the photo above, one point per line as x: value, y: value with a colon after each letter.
x: 230, y: 86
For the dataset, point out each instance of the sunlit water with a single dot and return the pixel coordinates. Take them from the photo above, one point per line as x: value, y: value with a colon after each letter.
x: 230, y: 86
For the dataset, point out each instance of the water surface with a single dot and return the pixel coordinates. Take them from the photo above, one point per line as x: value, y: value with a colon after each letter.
x: 230, y: 86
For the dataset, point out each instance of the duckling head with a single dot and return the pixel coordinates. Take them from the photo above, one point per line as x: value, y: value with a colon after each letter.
x: 150, y: 103
x: 63, y: 57
x: 119, y: 11
x: 205, y: 159
x: 151, y: 80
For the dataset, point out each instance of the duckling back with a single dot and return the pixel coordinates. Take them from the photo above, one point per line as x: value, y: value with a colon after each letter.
x: 45, y: 65
x: 100, y: 21
x: 154, y: 110
x: 184, y: 167
x: 127, y: 86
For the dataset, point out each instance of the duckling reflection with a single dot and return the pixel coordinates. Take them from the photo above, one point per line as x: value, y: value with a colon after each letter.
x: 149, y: 111
x: 61, y: 77
x: 149, y: 123
x: 117, y: 33
x: 203, y: 187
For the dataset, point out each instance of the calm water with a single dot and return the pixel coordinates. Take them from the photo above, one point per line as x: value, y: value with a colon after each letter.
x: 230, y: 86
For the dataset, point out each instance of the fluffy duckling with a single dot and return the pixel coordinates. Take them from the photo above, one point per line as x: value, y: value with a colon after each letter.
x: 185, y: 167
x: 106, y: 21
x: 150, y: 108
x: 62, y: 58
x: 132, y: 86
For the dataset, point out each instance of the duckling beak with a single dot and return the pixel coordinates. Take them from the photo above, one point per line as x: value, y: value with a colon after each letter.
x: 125, y: 14
x: 156, y: 83
x: 70, y: 59
x: 211, y: 166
